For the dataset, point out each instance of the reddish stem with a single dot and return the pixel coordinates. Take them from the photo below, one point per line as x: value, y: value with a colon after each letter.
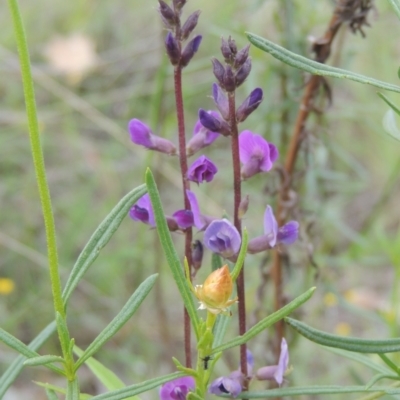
x: 238, y: 224
x: 185, y: 186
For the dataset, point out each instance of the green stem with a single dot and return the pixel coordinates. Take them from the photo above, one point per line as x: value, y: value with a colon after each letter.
x: 37, y: 154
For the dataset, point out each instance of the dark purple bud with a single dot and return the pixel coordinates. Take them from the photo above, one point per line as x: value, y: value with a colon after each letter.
x: 221, y: 101
x: 232, y: 45
x: 189, y: 25
x: 243, y: 72
x: 197, y: 254
x: 190, y: 50
x: 243, y: 206
x: 213, y: 124
x: 167, y: 13
x: 184, y: 218
x: 203, y: 169
x: 219, y: 70
x: 229, y: 80
x: 226, y: 51
x: 249, y: 105
x: 173, y: 49
x: 241, y: 57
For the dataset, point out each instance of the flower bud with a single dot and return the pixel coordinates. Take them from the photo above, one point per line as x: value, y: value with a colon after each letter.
x: 215, y: 292
x: 249, y: 105
x: 197, y: 254
x: 229, y: 80
x: 190, y: 50
x: 189, y: 25
x: 214, y: 124
x: 243, y: 72
x: 173, y: 49
x: 218, y: 70
x: 221, y: 101
x: 226, y: 51
x: 241, y: 57
x: 167, y: 14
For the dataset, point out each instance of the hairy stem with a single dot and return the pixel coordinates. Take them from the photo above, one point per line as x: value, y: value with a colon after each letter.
x: 37, y: 155
x: 238, y: 224
x: 185, y: 186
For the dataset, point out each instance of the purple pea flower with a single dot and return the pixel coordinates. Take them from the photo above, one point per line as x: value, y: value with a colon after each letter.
x: 223, y: 238
x: 273, y: 235
x: 276, y: 372
x: 200, y: 221
x: 233, y: 383
x: 203, y: 169
x: 202, y: 137
x: 183, y: 218
x: 143, y: 211
x: 177, y: 389
x: 256, y: 154
x: 142, y: 135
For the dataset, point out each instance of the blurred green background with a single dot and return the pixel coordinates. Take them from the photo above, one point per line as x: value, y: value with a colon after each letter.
x: 98, y: 64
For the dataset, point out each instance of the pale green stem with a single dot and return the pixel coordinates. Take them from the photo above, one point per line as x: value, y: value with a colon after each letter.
x: 37, y: 154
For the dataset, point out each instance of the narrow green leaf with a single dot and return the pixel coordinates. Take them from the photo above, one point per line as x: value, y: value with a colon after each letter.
x: 390, y: 363
x: 103, y: 374
x: 396, y: 6
x: 100, y: 238
x: 63, y: 333
x: 242, y: 255
x: 14, y: 343
x: 219, y: 330
x: 378, y: 377
x: 266, y: 322
x: 170, y: 252
x: 314, y: 390
x: 138, y: 388
x: 390, y: 125
x: 314, y: 67
x: 43, y: 360
x: 51, y: 394
x: 72, y: 390
x: 357, y: 345
x: 16, y: 366
x: 389, y: 103
x: 58, y: 389
x: 119, y: 321
x: 362, y: 359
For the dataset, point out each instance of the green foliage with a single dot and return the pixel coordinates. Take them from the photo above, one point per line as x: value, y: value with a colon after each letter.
x: 342, y: 342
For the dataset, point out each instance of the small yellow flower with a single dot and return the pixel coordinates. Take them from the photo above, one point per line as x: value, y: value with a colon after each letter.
x: 6, y: 286
x: 215, y: 292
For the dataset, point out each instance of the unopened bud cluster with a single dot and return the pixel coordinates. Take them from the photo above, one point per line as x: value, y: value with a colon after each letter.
x: 171, y: 17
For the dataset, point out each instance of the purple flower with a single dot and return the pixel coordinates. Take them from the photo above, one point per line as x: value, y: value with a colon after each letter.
x: 200, y: 221
x: 203, y: 169
x: 202, y: 137
x: 256, y: 154
x: 215, y: 124
x: 249, y: 105
x: 177, y: 389
x: 276, y: 372
x: 233, y: 383
x: 273, y: 235
x: 142, y: 135
x: 143, y: 211
x: 223, y: 238
x: 184, y: 218
x: 221, y: 101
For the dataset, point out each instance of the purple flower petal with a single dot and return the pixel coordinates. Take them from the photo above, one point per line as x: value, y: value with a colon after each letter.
x: 223, y: 238
x: 226, y: 385
x: 140, y: 133
x: 283, y: 362
x: 255, y: 154
x: 221, y: 101
x: 203, y: 169
x: 194, y: 205
x: 288, y: 233
x: 143, y: 211
x: 270, y: 226
x: 177, y: 389
x: 184, y: 218
x: 209, y: 135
